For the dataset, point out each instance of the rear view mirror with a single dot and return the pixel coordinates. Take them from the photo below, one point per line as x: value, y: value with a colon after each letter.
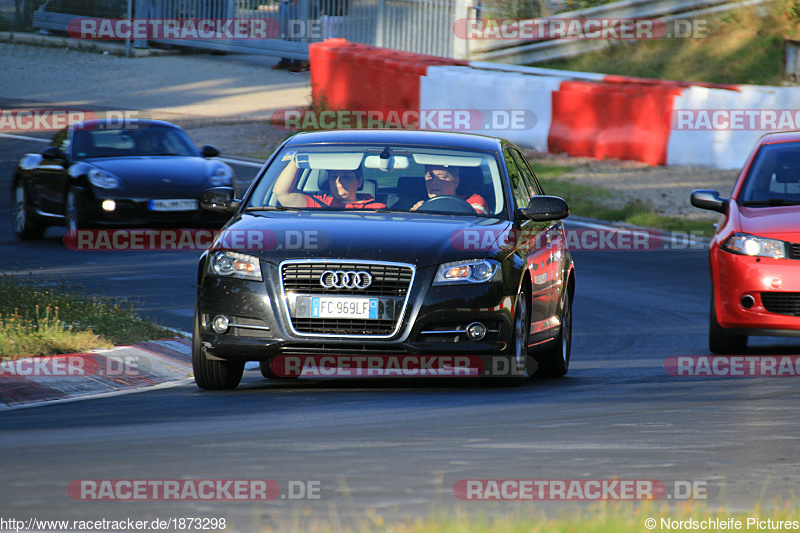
x: 220, y: 200
x: 545, y: 208
x: 708, y: 199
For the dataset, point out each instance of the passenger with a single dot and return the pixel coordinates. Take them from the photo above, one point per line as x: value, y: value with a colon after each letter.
x: 342, y: 191
x: 442, y: 180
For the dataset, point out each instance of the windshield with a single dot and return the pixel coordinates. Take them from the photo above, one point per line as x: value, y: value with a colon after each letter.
x: 774, y: 177
x: 120, y: 142
x: 380, y: 177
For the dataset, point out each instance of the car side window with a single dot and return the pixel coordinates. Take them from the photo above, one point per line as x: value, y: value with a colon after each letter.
x: 518, y: 188
x: 527, y: 174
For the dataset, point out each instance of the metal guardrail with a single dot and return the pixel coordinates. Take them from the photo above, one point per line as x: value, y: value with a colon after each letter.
x: 525, y: 51
x: 421, y: 26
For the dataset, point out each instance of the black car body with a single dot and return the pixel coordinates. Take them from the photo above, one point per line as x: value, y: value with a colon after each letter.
x: 282, y: 280
x: 101, y: 173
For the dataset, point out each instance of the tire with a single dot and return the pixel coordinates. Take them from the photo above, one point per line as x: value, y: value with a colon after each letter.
x: 24, y: 225
x: 720, y: 342
x: 554, y: 361
x: 74, y: 215
x: 211, y: 374
x: 522, y: 366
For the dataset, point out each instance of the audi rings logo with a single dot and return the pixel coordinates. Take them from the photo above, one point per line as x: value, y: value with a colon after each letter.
x: 341, y: 279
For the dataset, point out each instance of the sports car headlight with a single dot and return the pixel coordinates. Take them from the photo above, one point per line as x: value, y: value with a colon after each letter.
x: 103, y: 179
x: 221, y: 176
x: 235, y: 265
x: 746, y: 244
x: 469, y: 271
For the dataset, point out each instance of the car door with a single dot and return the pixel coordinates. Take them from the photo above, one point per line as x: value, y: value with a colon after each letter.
x: 554, y: 239
x: 50, y: 177
x: 531, y: 242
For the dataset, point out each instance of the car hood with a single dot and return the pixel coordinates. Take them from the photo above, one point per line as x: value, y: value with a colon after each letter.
x: 149, y: 175
x: 422, y: 240
x: 780, y: 222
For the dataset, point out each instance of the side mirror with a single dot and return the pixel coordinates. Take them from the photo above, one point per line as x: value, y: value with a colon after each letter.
x: 545, y: 208
x: 220, y: 200
x: 53, y: 152
x: 209, y: 151
x: 711, y: 200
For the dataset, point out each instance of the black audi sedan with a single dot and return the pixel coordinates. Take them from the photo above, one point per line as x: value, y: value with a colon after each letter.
x: 113, y: 172
x: 386, y: 252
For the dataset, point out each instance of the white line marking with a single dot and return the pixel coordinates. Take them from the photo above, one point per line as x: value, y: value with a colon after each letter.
x: 24, y: 138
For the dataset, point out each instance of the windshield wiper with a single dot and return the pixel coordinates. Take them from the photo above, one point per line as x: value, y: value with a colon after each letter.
x: 771, y: 202
x: 270, y: 208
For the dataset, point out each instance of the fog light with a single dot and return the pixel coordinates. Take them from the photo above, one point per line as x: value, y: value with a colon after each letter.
x: 220, y: 323
x: 476, y: 331
x: 747, y: 301
x: 109, y: 205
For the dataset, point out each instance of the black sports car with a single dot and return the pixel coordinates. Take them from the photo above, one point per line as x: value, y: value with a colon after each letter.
x: 408, y: 250
x: 116, y: 173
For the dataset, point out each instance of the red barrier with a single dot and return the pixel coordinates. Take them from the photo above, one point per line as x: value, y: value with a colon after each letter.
x: 612, y: 120
x: 354, y: 76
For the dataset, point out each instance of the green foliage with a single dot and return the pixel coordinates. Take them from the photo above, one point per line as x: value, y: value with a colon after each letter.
x: 43, y: 318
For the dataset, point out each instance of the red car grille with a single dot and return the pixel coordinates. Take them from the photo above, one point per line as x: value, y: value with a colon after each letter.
x: 782, y: 303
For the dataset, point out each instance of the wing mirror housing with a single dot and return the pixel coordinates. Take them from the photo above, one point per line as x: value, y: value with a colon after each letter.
x: 545, y: 208
x: 220, y: 200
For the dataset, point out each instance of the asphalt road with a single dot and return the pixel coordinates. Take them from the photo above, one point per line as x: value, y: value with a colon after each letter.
x: 397, y: 447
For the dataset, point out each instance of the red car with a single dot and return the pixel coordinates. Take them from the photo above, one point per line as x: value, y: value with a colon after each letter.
x: 755, y: 252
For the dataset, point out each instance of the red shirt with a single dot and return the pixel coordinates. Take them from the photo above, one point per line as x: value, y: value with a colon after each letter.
x: 478, y: 204
x: 364, y: 201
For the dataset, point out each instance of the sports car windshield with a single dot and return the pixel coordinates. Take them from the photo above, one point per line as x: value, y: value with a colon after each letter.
x: 774, y: 177
x: 381, y: 178
x: 131, y: 142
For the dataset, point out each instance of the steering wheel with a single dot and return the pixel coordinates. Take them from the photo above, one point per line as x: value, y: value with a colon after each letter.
x: 447, y: 204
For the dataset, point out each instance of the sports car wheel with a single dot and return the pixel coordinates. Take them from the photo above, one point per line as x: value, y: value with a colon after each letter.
x: 25, y: 227
x: 209, y: 373
x: 73, y: 211
x: 554, y: 362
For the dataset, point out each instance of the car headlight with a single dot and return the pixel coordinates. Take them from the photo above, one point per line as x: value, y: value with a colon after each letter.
x: 221, y: 175
x: 469, y: 271
x: 235, y: 265
x: 746, y: 244
x: 103, y: 179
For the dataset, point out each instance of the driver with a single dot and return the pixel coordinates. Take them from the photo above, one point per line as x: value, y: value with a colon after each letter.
x: 342, y: 190
x: 442, y: 180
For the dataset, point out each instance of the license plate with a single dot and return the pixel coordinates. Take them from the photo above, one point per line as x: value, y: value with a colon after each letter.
x: 344, y: 307
x: 172, y: 205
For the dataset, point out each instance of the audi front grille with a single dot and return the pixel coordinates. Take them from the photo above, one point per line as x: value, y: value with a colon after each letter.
x: 388, y: 286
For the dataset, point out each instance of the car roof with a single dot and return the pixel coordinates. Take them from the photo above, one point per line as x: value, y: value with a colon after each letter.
x: 89, y: 124
x: 780, y: 137
x: 399, y: 136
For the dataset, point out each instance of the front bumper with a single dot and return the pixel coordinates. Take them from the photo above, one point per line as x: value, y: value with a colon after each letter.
x: 433, y: 322
x: 757, y: 296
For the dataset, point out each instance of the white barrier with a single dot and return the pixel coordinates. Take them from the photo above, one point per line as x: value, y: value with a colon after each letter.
x: 718, y: 128
x: 449, y: 87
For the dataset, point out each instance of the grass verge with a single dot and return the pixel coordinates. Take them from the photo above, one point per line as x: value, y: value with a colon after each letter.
x: 39, y: 318
x: 745, y: 46
x: 593, y: 202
